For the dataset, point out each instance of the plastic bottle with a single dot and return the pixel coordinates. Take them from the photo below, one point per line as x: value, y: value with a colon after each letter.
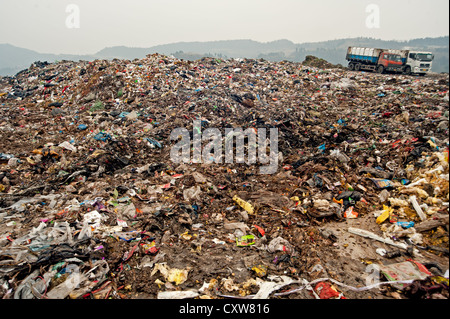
x: 413, y: 200
x: 384, y: 195
x: 340, y: 156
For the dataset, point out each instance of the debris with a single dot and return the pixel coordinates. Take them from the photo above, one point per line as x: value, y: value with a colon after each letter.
x: 260, y: 270
x: 413, y: 200
x: 350, y: 213
x: 245, y: 241
x: 367, y: 234
x: 177, y: 295
x: 177, y: 276
x: 275, y: 283
x: 326, y: 291
x: 408, y: 270
x: 247, y: 206
x: 90, y: 193
x: 385, y: 215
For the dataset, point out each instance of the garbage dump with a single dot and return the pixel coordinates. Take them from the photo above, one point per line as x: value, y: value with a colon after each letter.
x: 92, y: 206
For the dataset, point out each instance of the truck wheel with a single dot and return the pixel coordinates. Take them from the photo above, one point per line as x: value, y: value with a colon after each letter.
x: 380, y: 69
x: 357, y: 67
x: 408, y: 70
x: 351, y: 66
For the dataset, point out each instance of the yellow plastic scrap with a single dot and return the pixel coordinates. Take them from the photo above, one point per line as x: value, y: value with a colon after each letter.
x: 97, y: 153
x: 260, y: 270
x: 159, y: 283
x: 296, y: 199
x: 432, y: 144
x: 385, y: 215
x: 177, y: 276
x: 440, y: 280
x: 249, y: 208
x: 186, y: 236
x: 37, y: 151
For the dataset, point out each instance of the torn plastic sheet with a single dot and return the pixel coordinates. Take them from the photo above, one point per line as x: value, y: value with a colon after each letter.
x: 367, y: 234
x: 267, y: 287
x: 308, y: 285
x: 178, y: 295
x: 405, y: 271
x: 20, y: 205
x: 153, y: 142
x: 344, y: 286
x: 42, y: 237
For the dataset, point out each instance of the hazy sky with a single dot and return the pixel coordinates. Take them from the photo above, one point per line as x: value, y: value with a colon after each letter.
x: 45, y: 26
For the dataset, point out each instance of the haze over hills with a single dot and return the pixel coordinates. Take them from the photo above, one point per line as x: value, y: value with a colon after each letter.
x: 14, y: 59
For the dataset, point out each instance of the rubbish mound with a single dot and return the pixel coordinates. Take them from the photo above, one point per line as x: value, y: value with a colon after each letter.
x: 320, y: 63
x: 93, y: 206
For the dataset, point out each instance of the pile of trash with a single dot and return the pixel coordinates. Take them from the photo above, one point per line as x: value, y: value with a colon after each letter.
x: 320, y: 63
x: 92, y: 204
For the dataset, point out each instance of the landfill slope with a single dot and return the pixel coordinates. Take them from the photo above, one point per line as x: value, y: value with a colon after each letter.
x: 92, y: 204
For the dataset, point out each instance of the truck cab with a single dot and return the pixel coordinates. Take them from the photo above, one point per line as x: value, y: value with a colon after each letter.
x: 390, y: 62
x: 419, y: 62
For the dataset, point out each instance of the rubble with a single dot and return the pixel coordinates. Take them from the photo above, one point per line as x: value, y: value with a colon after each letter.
x: 92, y: 206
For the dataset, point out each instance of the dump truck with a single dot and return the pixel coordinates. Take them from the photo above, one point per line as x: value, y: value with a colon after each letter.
x: 382, y: 60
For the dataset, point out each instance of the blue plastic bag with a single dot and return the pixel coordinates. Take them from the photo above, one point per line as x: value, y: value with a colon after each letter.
x: 102, y: 137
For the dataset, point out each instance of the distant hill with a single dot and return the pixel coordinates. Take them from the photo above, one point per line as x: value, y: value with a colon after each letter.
x: 231, y: 49
x: 14, y: 59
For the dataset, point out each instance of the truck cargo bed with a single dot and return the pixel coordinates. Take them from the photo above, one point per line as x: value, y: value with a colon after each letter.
x: 365, y: 55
